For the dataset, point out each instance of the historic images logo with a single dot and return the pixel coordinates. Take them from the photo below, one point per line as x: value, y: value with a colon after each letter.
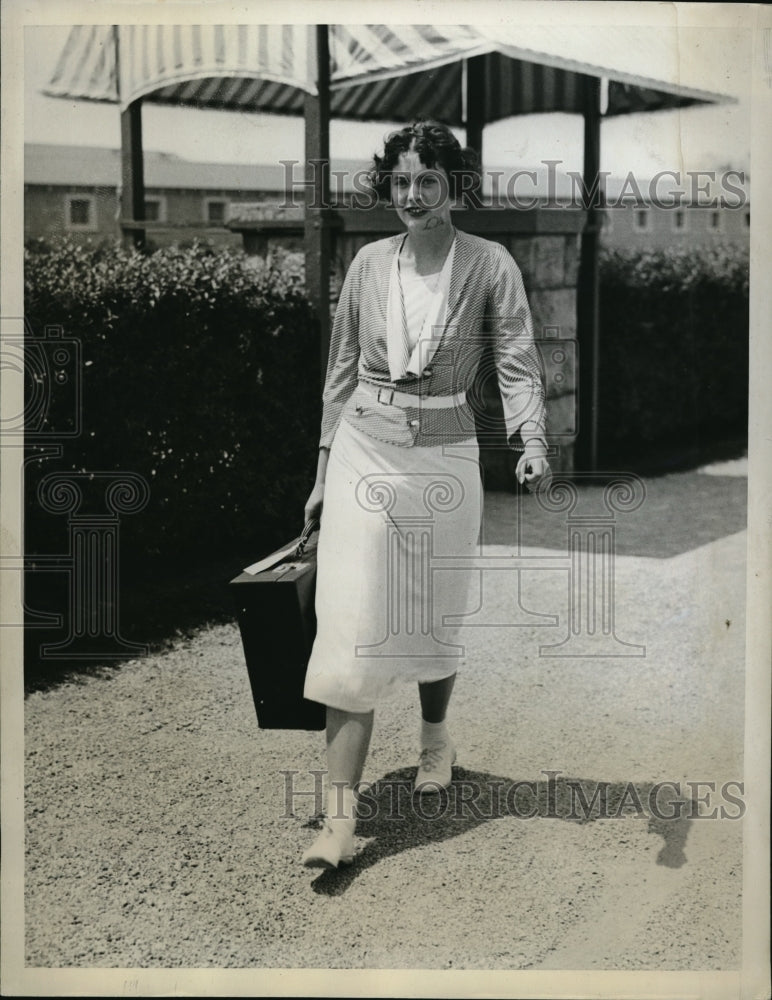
x: 554, y: 796
x: 543, y: 186
x: 48, y: 369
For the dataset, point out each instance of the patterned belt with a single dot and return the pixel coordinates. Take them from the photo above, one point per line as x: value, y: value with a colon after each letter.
x: 393, y: 397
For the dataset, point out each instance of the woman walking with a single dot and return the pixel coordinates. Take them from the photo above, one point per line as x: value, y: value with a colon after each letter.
x: 398, y: 481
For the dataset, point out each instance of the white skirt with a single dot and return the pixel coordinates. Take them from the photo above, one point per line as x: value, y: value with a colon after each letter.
x: 399, y: 531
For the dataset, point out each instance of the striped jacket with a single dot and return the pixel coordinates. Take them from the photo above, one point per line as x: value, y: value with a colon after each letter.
x: 486, y: 303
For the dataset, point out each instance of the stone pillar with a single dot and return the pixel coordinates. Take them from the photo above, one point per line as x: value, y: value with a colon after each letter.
x: 550, y: 264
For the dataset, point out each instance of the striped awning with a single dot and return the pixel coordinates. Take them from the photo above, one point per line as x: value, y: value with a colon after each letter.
x: 211, y: 66
x: 377, y: 72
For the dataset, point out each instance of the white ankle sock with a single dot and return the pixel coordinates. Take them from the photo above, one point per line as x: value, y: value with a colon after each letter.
x: 433, y: 734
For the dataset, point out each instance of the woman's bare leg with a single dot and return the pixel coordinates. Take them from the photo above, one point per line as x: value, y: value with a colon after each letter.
x: 348, y: 739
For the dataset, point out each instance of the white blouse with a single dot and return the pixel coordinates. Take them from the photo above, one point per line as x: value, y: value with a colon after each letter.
x: 417, y: 306
x: 417, y: 290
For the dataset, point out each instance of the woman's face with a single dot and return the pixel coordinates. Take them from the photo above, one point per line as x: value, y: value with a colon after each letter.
x: 421, y: 194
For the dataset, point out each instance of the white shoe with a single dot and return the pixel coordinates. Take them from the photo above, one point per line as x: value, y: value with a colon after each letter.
x: 434, y: 768
x: 334, y: 846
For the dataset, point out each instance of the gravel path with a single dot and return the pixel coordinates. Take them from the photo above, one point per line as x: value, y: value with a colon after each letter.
x: 158, y: 833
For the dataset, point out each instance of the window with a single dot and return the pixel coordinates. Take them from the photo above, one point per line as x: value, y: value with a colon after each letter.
x: 155, y: 208
x: 80, y: 213
x: 215, y: 211
x: 679, y: 220
x: 641, y: 219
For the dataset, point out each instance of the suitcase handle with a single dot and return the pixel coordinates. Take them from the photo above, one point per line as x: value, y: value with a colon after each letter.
x: 312, y: 525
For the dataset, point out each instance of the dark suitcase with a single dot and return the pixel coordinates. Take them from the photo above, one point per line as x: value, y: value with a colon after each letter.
x: 275, y: 612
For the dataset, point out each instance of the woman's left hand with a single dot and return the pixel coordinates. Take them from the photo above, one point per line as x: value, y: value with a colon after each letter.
x: 533, y: 469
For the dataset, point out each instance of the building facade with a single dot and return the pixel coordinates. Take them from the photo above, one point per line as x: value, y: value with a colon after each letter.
x: 643, y: 226
x: 74, y: 191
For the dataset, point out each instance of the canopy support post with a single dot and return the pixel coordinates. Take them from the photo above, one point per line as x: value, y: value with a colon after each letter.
x: 318, y: 243
x: 588, y: 291
x: 474, y: 112
x: 132, y: 175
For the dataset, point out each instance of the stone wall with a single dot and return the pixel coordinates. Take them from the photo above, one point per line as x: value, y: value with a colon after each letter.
x: 550, y: 265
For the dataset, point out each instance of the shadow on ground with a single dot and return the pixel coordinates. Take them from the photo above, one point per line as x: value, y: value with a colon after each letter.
x: 393, y: 820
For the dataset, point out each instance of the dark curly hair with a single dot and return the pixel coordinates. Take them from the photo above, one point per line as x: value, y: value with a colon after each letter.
x: 436, y: 147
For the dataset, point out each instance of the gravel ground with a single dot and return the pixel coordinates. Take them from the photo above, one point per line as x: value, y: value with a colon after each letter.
x: 158, y: 835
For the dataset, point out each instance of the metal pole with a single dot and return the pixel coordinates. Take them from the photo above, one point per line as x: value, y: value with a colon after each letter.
x: 132, y: 174
x: 317, y: 220
x: 588, y: 330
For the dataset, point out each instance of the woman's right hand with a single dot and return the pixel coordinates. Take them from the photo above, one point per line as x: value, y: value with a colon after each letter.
x: 313, y: 508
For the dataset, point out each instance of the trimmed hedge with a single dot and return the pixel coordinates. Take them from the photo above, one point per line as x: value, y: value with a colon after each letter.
x: 674, y: 350
x: 200, y: 373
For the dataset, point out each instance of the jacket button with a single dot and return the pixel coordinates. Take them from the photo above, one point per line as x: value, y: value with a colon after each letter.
x: 427, y: 372
x: 414, y: 423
